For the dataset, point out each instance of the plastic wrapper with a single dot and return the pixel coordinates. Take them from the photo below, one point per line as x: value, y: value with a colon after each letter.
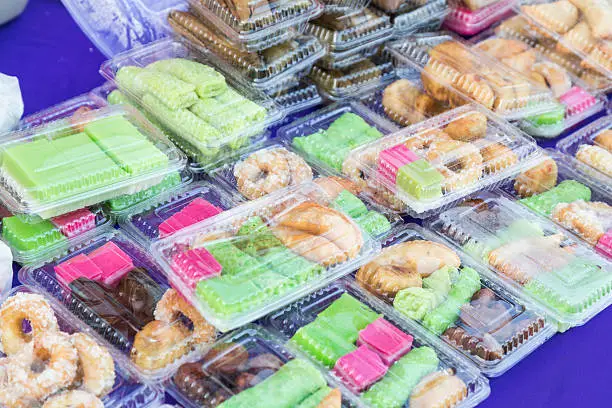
x: 428, y: 16
x: 576, y: 99
x: 445, y: 62
x: 260, y: 256
x: 343, y: 59
x: 152, y: 221
x: 105, y: 382
x: 251, y: 366
x: 209, y: 113
x: 531, y: 255
x: 471, y: 17
x: 51, y: 170
x: 112, y: 285
x: 428, y: 282
x: 383, y: 360
x: 431, y: 165
x: 592, y: 146
x: 256, y: 25
x: 263, y: 68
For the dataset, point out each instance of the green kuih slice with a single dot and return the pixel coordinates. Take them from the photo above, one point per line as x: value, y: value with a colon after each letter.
x: 565, y: 192
x: 126, y: 201
x: 207, y: 81
x: 26, y: 236
x: 315, y: 399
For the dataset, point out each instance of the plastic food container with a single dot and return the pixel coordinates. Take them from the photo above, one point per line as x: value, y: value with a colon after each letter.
x: 591, y: 146
x: 481, y: 319
x: 263, y: 68
x: 345, y: 5
x: 295, y: 95
x: 151, y: 221
x: 428, y: 16
x: 531, y: 255
x: 257, y: 25
x: 466, y: 20
x: 235, y: 367
x: 52, y: 170
x: 373, y: 349
x: 423, y: 167
x: 223, y: 114
x: 251, y: 260
x: 446, y: 62
x: 112, y: 285
x: 125, y: 391
x: 576, y: 99
x: 339, y: 60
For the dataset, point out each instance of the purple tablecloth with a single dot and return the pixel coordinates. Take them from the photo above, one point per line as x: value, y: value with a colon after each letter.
x: 55, y: 61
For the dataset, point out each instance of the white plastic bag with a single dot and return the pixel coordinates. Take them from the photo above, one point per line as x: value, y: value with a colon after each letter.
x: 9, y: 9
x: 11, y: 103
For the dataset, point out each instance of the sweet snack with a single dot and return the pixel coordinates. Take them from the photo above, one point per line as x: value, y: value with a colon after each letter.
x: 468, y: 128
x: 334, y: 185
x: 439, y: 389
x: 459, y: 163
x: 596, y: 157
x: 28, y: 236
x: 372, y: 222
x: 386, y: 340
x: 497, y: 157
x: 538, y: 179
x: 406, y: 104
x: 158, y: 345
x: 567, y: 191
x: 75, y: 223
x: 75, y: 398
x: 590, y: 220
x: 604, y: 139
x: 124, y: 202
x: 97, y: 367
x: 194, y: 212
x: 557, y: 16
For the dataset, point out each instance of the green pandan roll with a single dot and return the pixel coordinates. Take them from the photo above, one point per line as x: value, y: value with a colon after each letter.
x: 129, y: 78
x: 315, y: 399
x: 415, y: 302
x: 466, y: 285
x: 257, y: 237
x: 396, y: 386
x: 323, y: 343
x: 291, y: 384
x: 207, y: 81
x: 348, y: 316
x: 565, y: 192
x: 284, y: 262
x: 349, y: 204
x: 117, y: 97
x: 441, y: 280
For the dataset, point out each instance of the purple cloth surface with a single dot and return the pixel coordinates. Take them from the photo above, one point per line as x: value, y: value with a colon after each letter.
x: 55, y: 61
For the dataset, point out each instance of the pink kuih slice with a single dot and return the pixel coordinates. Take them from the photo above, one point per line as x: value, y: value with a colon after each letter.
x: 577, y: 100
x: 75, y: 223
x: 195, y: 265
x: 392, y: 159
x: 389, y: 342
x: 604, y: 245
x: 360, y: 368
x: 113, y: 262
x: 196, y: 211
x: 77, y: 267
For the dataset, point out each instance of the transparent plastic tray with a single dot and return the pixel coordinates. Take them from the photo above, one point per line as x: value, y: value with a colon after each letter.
x: 152, y: 221
x: 122, y: 295
x: 353, y: 80
x: 346, y: 5
x: 295, y: 95
x: 263, y: 68
x: 425, y: 168
x: 335, y: 319
x: 591, y: 145
x: 239, y: 266
x: 531, y: 255
x: 467, y: 18
x: 125, y: 390
x: 257, y: 25
x: 576, y: 99
x: 427, y: 17
x: 51, y: 170
x: 493, y: 328
x: 339, y: 60
x: 32, y: 240
x: 235, y: 368
x: 446, y: 62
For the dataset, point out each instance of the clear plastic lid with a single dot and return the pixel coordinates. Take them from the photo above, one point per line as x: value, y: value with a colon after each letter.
x: 295, y: 95
x: 425, y: 18
x: 531, y: 255
x: 431, y: 165
x: 258, y: 257
x: 353, y: 80
x: 214, y: 114
x: 561, y: 189
x: 155, y: 220
x: 346, y: 5
x: 112, y: 285
x: 252, y: 367
x: 339, y: 60
x: 382, y: 359
x: 446, y: 62
x: 444, y: 292
x: 263, y: 68
x: 104, y: 381
x: 592, y: 145
x: 256, y: 24
x: 32, y: 240
x: 576, y: 99
x: 470, y: 17
x: 51, y: 170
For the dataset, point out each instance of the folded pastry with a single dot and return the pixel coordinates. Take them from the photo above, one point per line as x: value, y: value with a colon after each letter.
x: 598, y: 15
x: 556, y: 77
x: 590, y: 220
x: 579, y: 37
x: 502, y: 47
x: 559, y: 16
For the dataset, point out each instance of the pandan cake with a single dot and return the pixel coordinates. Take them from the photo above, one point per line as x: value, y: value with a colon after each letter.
x: 565, y: 192
x: 372, y: 222
x: 124, y: 202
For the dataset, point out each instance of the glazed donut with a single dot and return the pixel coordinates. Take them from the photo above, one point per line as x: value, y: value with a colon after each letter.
x: 538, y: 179
x: 497, y: 157
x: 74, y: 399
x: 596, y: 157
x: 266, y: 171
x: 96, y: 370
x: 169, y: 310
x: 460, y: 163
x: 590, y: 220
x: 61, y: 363
x: 25, y: 306
x: 468, y: 128
x: 604, y: 139
x: 334, y: 185
x: 159, y: 344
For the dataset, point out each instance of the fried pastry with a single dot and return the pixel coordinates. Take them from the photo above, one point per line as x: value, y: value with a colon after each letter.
x: 559, y: 16
x: 502, y: 47
x: 538, y: 179
x: 476, y: 88
x: 579, y: 37
x: 557, y: 78
x: 598, y: 15
x: 590, y: 220
x: 496, y: 157
x: 521, y: 62
x: 596, y: 157
x: 468, y: 128
x: 406, y: 104
x: 604, y: 139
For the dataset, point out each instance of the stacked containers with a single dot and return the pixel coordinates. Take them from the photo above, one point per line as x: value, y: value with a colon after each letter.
x: 470, y: 17
x: 409, y: 16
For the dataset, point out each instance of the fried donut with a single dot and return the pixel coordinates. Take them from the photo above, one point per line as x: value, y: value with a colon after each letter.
x: 25, y: 307
x: 536, y: 180
x: 468, y: 128
x: 604, y: 139
x: 422, y: 142
x: 96, y: 369
x: 74, y: 399
x: 352, y: 167
x: 497, y: 157
x: 15, y: 380
x: 334, y: 185
x: 590, y: 220
x: 159, y: 344
x: 266, y: 171
x: 61, y: 363
x: 441, y: 389
x: 596, y: 157
x: 460, y: 163
x: 170, y: 308
x: 406, y: 104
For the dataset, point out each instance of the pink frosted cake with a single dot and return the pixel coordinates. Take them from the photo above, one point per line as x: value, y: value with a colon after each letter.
x: 360, y: 368
x: 386, y: 340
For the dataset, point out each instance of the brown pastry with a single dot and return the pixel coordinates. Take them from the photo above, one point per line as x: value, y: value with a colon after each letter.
x: 334, y: 185
x: 159, y: 344
x: 598, y: 15
x: 604, y: 139
x: 557, y: 78
x: 244, y: 10
x: 590, y: 220
x: 468, y: 128
x: 437, y: 79
x: 497, y: 157
x: 579, y: 37
x: 406, y: 104
x: 559, y: 16
x: 502, y: 47
x: 477, y: 88
x: 225, y: 358
x: 439, y: 389
x: 521, y: 62
x: 536, y: 180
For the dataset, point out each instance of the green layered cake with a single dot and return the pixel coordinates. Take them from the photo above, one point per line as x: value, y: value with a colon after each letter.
x: 565, y: 192
x: 420, y: 180
x: 29, y: 236
x: 123, y: 202
x: 207, y: 81
x: 372, y: 222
